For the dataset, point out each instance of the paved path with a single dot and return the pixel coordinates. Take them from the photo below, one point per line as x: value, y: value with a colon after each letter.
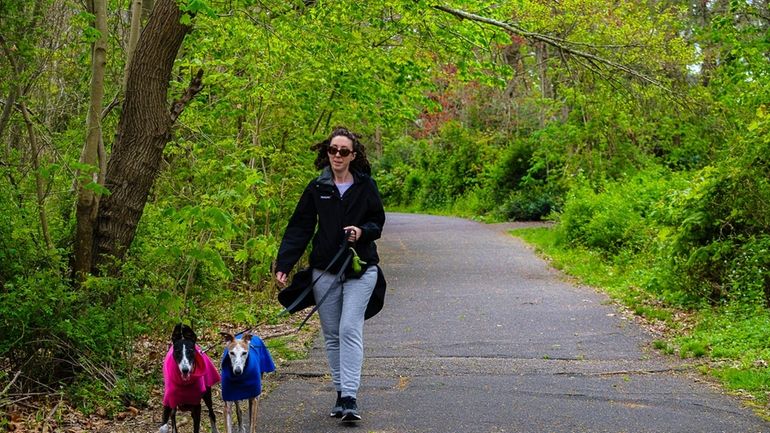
x: 480, y: 335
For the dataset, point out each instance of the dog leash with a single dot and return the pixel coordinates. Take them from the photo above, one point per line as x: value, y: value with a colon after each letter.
x: 345, y: 246
x: 337, y: 278
x: 307, y: 290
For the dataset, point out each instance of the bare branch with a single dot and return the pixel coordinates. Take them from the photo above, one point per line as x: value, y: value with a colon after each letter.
x: 196, y: 85
x: 561, y: 44
x: 10, y: 384
x: 115, y: 102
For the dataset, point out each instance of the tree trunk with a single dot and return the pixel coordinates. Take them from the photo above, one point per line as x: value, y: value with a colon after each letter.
x: 13, y: 92
x: 378, y: 140
x: 546, y: 87
x: 144, y: 130
x: 88, y: 200
x: 133, y: 35
x: 39, y: 186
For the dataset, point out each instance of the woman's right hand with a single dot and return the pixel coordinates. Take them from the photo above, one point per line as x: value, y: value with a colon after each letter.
x: 281, y: 278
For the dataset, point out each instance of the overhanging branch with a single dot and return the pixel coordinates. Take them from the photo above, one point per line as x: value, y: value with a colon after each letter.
x: 561, y: 44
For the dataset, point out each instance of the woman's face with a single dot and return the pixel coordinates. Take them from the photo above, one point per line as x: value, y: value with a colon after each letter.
x: 338, y: 145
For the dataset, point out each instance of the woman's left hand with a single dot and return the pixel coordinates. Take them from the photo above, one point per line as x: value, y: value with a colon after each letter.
x: 354, y: 233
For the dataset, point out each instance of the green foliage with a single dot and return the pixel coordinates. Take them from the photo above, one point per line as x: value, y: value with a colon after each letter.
x: 734, y: 332
x: 434, y: 173
x: 89, y: 393
x: 692, y: 349
x: 719, y: 237
x: 617, y: 218
x: 529, y: 204
x: 753, y: 380
x: 285, y: 348
x: 277, y: 76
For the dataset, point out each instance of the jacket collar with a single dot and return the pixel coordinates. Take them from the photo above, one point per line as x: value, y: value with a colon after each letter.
x: 327, y: 178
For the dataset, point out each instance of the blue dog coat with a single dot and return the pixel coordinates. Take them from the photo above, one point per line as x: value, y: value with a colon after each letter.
x: 249, y: 383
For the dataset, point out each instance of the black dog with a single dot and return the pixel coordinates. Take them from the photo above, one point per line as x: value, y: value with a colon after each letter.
x: 188, y: 375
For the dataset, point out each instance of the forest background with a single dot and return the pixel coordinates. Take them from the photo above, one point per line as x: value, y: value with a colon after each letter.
x: 152, y: 152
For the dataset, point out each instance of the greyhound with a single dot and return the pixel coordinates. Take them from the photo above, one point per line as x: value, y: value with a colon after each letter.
x: 188, y: 375
x: 244, y: 361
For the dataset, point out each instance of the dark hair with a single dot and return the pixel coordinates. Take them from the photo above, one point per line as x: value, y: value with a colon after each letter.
x: 359, y: 163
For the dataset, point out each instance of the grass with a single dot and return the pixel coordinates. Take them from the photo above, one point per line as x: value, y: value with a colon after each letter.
x: 289, y: 347
x: 732, y: 342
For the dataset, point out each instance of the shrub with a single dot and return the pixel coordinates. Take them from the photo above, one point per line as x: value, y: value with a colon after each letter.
x: 435, y: 173
x: 531, y: 204
x: 720, y: 223
x: 605, y: 221
x: 620, y: 216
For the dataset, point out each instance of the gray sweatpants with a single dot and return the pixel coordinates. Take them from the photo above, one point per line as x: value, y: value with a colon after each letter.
x: 342, y: 323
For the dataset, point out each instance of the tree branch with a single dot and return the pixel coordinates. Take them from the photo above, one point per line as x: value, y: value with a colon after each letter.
x: 196, y: 85
x: 39, y: 186
x: 554, y: 42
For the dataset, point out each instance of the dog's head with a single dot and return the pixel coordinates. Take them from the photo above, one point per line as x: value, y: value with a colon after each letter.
x: 183, y: 338
x: 237, y: 351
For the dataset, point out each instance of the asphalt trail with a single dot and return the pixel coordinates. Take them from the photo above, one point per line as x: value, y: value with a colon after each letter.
x: 478, y: 334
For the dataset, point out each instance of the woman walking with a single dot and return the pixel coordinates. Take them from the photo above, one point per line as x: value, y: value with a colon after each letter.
x: 341, y: 206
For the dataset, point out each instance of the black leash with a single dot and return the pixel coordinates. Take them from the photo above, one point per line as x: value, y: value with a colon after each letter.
x: 307, y: 290
x: 337, y: 278
x: 345, y: 247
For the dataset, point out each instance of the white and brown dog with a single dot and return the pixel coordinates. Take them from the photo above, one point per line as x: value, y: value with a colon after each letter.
x: 188, y: 375
x: 244, y: 361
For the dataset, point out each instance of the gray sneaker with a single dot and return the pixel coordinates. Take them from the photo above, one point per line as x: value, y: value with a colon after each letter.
x: 350, y: 409
x: 337, y: 409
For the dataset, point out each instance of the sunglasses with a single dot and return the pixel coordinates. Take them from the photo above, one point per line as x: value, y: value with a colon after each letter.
x: 335, y: 150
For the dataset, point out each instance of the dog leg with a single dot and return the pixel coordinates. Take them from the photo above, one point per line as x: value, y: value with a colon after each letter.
x: 228, y: 417
x: 253, y: 410
x: 210, y: 406
x: 173, y: 421
x: 240, y: 417
x: 166, y: 415
x: 196, y: 416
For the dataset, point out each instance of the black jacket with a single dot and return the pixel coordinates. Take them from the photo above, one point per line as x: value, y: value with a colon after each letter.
x: 321, y: 205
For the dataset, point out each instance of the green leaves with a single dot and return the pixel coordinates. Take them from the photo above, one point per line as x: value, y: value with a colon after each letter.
x: 195, y: 7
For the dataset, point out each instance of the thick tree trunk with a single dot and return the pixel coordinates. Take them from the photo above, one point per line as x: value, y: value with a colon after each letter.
x: 143, y: 132
x: 88, y: 200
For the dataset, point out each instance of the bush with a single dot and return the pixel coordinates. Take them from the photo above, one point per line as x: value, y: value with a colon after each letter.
x: 620, y: 216
x: 604, y: 221
x: 434, y: 173
x: 718, y: 240
x: 532, y: 204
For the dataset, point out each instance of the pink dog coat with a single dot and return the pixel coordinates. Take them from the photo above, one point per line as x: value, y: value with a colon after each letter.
x: 180, y: 392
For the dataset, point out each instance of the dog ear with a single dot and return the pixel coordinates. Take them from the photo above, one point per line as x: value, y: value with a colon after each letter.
x: 227, y: 336
x: 176, y: 334
x: 188, y: 333
x: 246, y: 337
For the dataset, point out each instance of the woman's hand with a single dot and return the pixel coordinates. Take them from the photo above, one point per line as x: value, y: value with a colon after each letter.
x: 354, y: 233
x: 281, y: 278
